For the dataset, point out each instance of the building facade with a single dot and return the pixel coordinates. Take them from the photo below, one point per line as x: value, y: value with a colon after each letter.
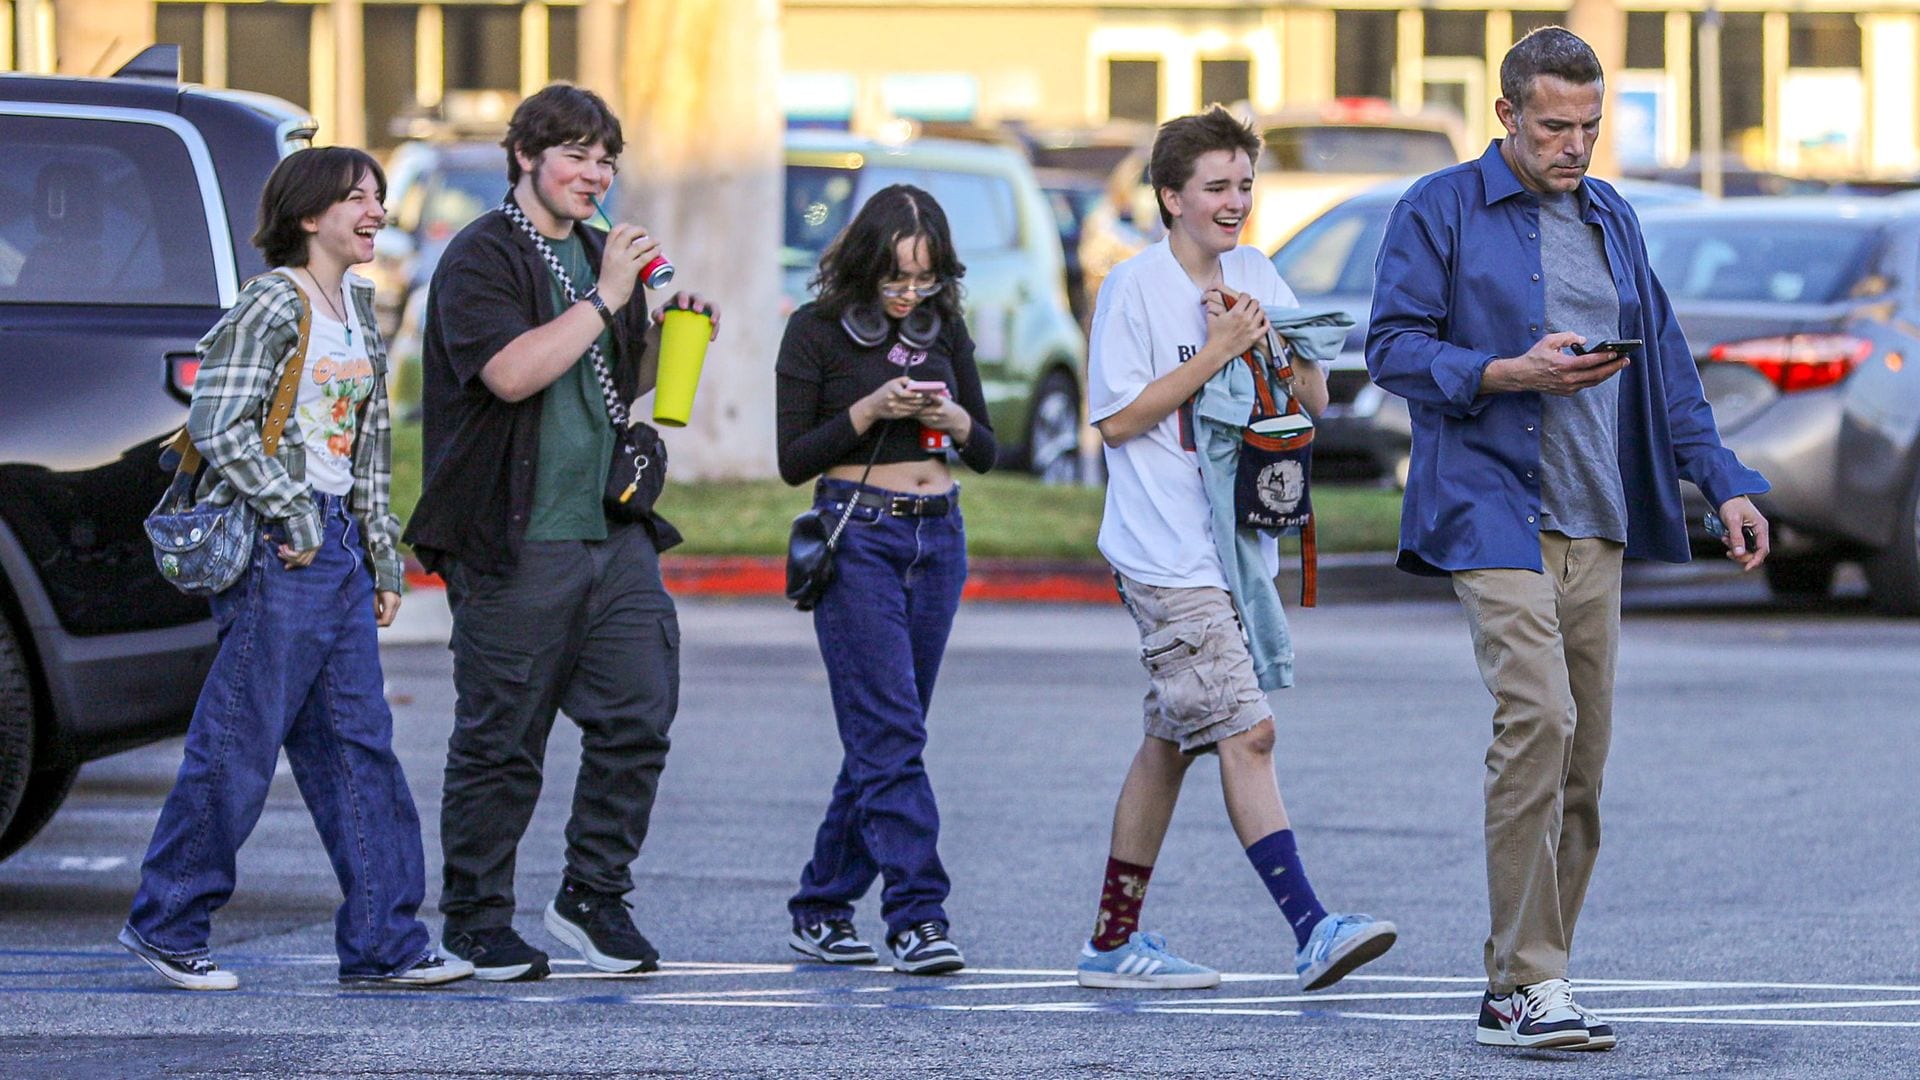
x: 1815, y: 87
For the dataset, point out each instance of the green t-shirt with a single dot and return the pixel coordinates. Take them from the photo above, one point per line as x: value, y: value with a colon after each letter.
x: 576, y: 438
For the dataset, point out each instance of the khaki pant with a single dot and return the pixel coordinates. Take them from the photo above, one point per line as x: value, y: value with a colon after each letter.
x: 1546, y: 644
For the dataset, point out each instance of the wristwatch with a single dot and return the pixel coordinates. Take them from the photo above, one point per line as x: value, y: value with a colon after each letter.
x: 599, y: 305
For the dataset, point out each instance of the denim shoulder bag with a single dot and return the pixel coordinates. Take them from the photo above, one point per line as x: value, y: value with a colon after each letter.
x: 815, y: 534
x: 200, y: 548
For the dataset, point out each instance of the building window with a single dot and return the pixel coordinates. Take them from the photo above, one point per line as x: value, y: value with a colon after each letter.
x: 1647, y: 40
x: 1456, y: 33
x: 184, y: 25
x: 268, y: 49
x: 1826, y: 40
x: 563, y: 42
x: 1741, y: 76
x: 1225, y: 81
x: 390, y: 46
x: 1133, y: 90
x: 1365, y: 48
x: 483, y: 47
x: 1526, y: 22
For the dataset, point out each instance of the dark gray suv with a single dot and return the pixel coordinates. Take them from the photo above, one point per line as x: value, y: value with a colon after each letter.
x: 125, y: 208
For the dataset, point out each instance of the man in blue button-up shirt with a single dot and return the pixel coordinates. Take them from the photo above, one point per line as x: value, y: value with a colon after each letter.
x: 1534, y: 471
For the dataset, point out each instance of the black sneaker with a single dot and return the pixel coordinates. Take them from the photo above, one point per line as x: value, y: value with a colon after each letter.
x: 191, y: 973
x: 923, y: 949
x: 431, y: 969
x: 497, y: 953
x: 598, y: 927
x: 831, y: 941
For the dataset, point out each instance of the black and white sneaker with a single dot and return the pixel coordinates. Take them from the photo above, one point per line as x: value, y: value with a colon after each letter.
x: 190, y: 973
x: 831, y: 941
x: 431, y: 969
x: 598, y: 927
x: 1541, y: 1016
x: 498, y: 954
x: 923, y: 949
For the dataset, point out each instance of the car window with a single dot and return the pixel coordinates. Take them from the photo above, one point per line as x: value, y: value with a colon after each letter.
x: 459, y: 196
x: 100, y: 212
x: 1334, y: 253
x: 980, y: 210
x: 1809, y: 262
x: 1356, y: 149
x: 819, y: 204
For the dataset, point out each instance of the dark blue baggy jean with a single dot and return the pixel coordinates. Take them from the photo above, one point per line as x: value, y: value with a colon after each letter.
x: 883, y: 628
x: 298, y: 666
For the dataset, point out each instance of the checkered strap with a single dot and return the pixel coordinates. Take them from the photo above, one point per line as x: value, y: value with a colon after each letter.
x: 616, y: 408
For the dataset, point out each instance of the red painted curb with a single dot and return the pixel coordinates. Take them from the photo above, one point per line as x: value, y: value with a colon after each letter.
x: 1042, y: 582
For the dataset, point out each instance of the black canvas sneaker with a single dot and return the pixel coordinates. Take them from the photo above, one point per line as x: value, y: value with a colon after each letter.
x: 831, y: 941
x: 598, y: 927
x: 189, y: 973
x: 431, y: 969
x: 498, y: 954
x: 923, y: 949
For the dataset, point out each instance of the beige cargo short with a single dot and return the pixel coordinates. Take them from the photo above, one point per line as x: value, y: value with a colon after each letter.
x: 1201, y: 688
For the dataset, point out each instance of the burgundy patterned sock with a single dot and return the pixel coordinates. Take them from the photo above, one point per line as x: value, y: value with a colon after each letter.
x: 1120, y: 899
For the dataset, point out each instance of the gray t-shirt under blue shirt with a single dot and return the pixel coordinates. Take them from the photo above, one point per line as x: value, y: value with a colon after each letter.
x: 1580, y: 490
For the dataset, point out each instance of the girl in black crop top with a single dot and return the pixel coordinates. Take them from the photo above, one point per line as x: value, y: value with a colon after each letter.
x: 853, y: 396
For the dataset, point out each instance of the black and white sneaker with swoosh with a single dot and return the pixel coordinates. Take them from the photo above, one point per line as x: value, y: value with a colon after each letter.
x: 1539, y: 1016
x: 831, y: 941
x: 923, y: 949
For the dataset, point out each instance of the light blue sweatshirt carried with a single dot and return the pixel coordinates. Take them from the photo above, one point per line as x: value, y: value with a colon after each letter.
x: 1220, y: 420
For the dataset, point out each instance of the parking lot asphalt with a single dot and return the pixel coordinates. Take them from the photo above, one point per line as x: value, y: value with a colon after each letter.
x: 1751, y: 915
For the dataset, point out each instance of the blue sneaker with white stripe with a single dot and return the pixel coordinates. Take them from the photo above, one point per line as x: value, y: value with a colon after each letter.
x: 1143, y: 963
x: 1339, y: 944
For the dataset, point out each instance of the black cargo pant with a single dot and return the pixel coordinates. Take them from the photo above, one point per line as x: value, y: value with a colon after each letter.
x: 580, y: 626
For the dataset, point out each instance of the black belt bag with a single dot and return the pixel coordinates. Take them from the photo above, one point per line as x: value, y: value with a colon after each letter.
x: 810, y: 543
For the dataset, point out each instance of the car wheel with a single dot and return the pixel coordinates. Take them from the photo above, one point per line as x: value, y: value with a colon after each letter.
x: 1053, y: 432
x: 1894, y: 574
x: 16, y: 724
x: 1806, y: 576
x: 46, y: 790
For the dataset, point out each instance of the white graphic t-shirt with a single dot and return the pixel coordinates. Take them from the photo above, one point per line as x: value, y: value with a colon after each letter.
x: 338, y: 377
x: 1157, y: 528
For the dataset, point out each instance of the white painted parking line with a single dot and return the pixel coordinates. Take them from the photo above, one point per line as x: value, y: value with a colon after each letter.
x: 1416, y: 999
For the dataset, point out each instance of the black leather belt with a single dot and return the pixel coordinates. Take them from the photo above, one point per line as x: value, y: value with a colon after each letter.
x: 901, y: 505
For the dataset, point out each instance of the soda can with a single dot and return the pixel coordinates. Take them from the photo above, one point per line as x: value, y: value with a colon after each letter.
x: 657, y: 273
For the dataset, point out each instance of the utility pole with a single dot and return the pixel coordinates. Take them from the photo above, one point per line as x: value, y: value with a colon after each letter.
x: 1712, y: 160
x: 705, y: 172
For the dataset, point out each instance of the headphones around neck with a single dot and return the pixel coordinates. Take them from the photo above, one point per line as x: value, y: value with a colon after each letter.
x: 868, y: 325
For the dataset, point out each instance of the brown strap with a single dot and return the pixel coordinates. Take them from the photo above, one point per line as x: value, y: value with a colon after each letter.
x: 283, y: 397
x: 1309, y: 565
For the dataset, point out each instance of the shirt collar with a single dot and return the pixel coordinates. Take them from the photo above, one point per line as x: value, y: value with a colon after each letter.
x: 1500, y: 183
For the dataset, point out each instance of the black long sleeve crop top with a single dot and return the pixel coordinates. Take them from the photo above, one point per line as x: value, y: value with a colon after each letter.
x: 822, y: 372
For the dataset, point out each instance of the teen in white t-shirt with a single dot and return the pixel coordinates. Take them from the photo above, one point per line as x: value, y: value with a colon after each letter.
x: 337, y: 379
x: 1151, y: 318
x: 1161, y: 328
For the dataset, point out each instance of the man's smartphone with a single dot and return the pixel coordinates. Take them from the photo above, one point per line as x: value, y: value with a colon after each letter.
x: 1612, y: 345
x: 1717, y: 529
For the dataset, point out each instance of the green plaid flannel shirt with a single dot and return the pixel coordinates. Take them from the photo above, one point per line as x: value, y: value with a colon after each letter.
x: 241, y: 360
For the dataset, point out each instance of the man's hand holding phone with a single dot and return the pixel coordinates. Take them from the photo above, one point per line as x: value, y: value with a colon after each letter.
x: 1552, y: 367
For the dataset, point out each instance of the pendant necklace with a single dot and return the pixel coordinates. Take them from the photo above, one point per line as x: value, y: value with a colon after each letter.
x: 335, y: 311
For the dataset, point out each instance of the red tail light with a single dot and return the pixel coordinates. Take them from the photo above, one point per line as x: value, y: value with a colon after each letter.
x: 1800, y: 361
x: 183, y: 370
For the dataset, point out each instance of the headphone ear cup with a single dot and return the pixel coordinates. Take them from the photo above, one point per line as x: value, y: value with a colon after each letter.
x: 920, y: 329
x: 866, y: 324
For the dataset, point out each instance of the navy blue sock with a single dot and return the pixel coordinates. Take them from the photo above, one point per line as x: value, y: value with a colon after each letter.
x: 1278, y: 863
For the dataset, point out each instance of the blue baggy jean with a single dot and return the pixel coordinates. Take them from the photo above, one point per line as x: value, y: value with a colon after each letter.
x: 298, y: 666
x: 882, y: 628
